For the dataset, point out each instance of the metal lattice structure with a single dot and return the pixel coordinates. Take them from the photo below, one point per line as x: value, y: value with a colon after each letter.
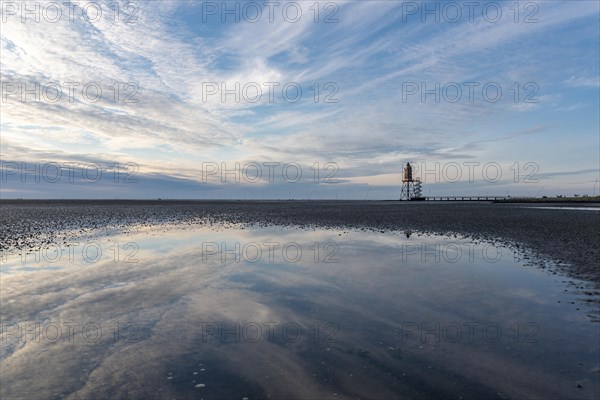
x: 411, y: 187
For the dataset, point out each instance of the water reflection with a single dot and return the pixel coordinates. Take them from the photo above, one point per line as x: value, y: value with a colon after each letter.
x: 583, y: 208
x: 290, y: 313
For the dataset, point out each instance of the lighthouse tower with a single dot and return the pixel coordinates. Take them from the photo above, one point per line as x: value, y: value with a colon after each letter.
x: 411, y: 187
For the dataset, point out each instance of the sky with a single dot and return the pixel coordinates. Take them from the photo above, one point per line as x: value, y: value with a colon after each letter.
x: 298, y: 99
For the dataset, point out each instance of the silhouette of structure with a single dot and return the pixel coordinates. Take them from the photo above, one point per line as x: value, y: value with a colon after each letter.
x: 412, y: 190
x: 411, y: 187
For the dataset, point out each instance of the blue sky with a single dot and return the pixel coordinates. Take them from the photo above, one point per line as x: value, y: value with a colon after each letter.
x: 371, y: 61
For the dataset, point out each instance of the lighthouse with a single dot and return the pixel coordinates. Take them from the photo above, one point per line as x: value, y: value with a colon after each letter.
x: 411, y: 187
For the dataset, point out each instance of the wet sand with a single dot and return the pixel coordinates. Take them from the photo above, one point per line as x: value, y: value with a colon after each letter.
x: 570, y: 238
x: 373, y: 319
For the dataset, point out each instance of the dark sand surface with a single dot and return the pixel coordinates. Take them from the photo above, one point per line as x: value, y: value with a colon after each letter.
x: 569, y: 237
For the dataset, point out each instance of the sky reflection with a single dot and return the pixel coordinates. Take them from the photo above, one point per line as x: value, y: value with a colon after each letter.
x: 289, y: 313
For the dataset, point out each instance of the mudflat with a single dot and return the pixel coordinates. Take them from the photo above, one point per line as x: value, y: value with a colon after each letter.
x: 566, y: 234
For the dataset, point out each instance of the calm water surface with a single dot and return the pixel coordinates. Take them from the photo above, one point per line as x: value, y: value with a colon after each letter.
x: 283, y: 313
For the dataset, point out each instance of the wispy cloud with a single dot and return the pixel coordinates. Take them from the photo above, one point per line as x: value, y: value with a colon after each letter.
x: 368, y: 57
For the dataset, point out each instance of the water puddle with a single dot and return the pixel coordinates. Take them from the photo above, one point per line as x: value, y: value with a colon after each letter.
x: 286, y: 313
x: 568, y: 208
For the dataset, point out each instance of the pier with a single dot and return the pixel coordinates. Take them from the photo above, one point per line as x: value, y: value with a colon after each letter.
x: 465, y: 198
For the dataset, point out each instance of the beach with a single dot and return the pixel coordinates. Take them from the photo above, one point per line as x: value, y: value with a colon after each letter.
x: 569, y: 237
x: 298, y: 299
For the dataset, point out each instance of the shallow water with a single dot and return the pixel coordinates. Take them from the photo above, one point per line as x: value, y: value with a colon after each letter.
x: 569, y: 208
x: 284, y: 313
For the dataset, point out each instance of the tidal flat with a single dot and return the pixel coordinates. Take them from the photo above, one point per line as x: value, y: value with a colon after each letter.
x: 298, y: 300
